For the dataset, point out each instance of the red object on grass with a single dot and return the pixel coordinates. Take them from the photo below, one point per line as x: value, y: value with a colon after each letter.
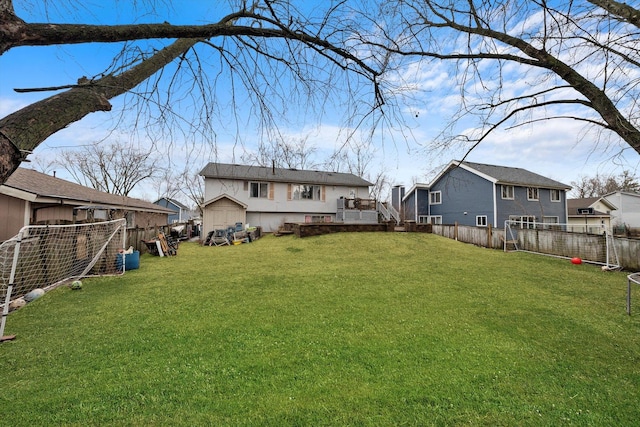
x: 576, y: 260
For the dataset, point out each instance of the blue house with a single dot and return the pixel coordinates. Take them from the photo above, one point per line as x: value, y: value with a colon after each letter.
x: 181, y: 211
x: 415, y: 204
x: 477, y: 194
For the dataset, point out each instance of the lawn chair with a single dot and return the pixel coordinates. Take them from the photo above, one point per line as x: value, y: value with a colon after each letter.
x: 219, y: 238
x: 207, y: 241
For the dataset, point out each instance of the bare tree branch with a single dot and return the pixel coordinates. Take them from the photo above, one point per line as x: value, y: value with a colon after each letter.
x: 569, y: 42
x: 622, y: 10
x: 240, y: 38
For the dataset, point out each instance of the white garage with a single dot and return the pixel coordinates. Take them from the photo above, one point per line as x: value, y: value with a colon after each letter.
x: 222, y: 212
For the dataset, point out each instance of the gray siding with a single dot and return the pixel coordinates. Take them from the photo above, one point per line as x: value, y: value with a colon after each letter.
x: 410, y: 207
x: 169, y: 205
x: 423, y: 202
x: 543, y: 207
x: 397, y: 194
x: 463, y: 191
x: 416, y: 204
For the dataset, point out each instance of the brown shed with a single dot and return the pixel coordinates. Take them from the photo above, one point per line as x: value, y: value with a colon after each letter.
x: 30, y: 197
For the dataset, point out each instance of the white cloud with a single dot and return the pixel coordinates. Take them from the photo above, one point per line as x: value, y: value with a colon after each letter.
x: 10, y: 105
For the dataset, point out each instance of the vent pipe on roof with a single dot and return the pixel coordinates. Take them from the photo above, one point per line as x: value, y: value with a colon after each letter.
x: 273, y: 167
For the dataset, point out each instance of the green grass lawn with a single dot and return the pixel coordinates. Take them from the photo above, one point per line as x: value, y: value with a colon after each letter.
x: 360, y: 329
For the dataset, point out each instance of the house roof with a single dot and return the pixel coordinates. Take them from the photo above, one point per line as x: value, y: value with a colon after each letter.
x: 228, y: 197
x: 39, y: 187
x: 496, y: 174
x: 260, y: 173
x: 415, y: 187
x: 512, y: 176
x: 172, y: 201
x: 574, y: 204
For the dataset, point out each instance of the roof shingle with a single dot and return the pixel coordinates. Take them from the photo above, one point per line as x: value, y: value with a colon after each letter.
x: 516, y: 176
x: 261, y: 173
x: 44, y: 185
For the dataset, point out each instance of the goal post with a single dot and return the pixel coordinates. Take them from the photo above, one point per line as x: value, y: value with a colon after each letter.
x: 591, y: 244
x: 45, y: 256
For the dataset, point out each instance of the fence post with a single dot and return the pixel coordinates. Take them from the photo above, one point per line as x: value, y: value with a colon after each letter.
x: 12, y: 278
x: 490, y: 236
x: 455, y: 231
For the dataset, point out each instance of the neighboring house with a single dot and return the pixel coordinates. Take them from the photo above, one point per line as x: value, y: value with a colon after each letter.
x: 627, y: 212
x: 269, y: 197
x: 182, y: 213
x: 29, y: 197
x: 590, y: 215
x: 477, y: 194
x: 415, y: 204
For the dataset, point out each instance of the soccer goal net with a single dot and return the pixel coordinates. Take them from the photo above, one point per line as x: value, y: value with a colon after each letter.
x: 590, y: 244
x: 44, y: 256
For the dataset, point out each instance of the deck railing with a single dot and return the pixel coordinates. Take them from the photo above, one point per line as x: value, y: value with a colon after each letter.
x: 388, y: 212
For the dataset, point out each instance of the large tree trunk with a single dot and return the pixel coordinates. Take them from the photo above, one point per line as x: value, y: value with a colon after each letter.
x: 22, y: 131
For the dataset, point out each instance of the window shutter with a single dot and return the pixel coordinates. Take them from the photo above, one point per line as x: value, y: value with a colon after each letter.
x: 288, y: 191
x: 271, y: 185
x: 246, y: 185
x: 324, y: 193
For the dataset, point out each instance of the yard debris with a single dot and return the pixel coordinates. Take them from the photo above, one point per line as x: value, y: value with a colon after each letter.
x: 232, y: 235
x: 34, y: 295
x: 17, y: 303
x: 162, y: 245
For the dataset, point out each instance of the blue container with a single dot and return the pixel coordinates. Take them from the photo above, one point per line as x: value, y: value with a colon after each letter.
x: 131, y: 261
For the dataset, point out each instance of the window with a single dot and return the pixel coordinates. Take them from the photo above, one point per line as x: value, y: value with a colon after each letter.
x: 532, y: 193
x: 507, y: 192
x: 436, y: 219
x: 435, y: 197
x: 423, y: 219
x: 481, y: 221
x: 101, y: 214
x: 306, y: 192
x: 523, y: 221
x: 259, y: 189
x: 555, y: 195
x: 131, y: 219
x: 550, y: 219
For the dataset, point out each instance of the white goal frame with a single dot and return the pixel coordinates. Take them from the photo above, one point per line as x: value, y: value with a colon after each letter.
x: 46, y: 256
x: 591, y: 244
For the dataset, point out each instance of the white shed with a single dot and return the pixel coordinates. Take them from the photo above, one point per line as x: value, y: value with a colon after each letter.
x: 222, y: 212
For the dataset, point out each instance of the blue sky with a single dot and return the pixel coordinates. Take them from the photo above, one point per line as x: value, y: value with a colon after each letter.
x: 559, y: 149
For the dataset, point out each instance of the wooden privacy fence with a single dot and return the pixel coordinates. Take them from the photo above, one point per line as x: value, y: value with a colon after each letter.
x: 628, y: 250
x: 487, y: 237
x: 136, y: 235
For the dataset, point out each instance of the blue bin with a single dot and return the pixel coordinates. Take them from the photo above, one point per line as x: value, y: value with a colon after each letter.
x: 131, y: 261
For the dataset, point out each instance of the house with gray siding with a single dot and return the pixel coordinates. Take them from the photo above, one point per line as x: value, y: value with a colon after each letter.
x: 477, y: 194
x: 414, y: 205
x: 182, y: 213
x: 269, y: 197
